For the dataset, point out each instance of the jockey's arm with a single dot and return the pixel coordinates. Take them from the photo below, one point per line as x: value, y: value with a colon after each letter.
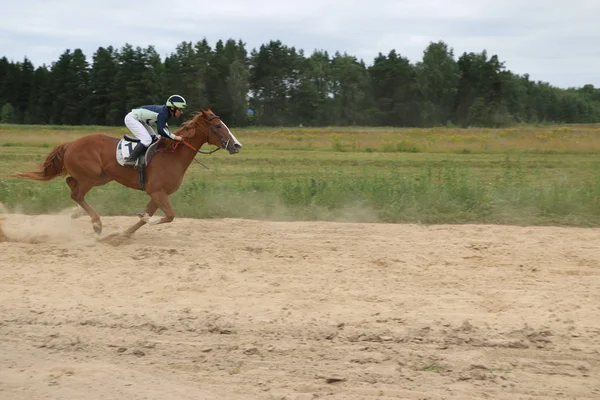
x: 162, y: 128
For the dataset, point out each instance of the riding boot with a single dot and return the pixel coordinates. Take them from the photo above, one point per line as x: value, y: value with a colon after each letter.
x: 139, y: 150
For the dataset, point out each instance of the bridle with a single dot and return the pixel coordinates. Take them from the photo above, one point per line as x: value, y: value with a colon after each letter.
x: 212, y: 128
x: 215, y: 131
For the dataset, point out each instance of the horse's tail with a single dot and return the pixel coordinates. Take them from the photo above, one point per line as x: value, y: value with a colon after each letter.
x: 53, y: 166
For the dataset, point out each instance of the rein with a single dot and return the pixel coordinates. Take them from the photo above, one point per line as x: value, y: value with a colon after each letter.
x: 189, y: 145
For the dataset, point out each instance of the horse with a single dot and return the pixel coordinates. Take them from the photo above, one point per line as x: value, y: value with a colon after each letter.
x: 91, y: 161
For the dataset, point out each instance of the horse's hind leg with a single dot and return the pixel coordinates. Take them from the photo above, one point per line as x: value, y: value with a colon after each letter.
x: 78, y: 192
x: 80, y: 212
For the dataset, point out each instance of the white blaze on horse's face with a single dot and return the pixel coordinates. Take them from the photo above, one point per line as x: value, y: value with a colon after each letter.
x: 233, y: 145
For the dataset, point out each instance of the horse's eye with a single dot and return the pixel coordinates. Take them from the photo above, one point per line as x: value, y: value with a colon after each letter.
x: 219, y: 126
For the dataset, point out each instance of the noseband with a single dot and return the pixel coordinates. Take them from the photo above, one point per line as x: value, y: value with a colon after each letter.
x: 215, y: 130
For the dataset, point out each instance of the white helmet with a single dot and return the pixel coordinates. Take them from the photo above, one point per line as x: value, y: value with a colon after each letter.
x: 176, y: 101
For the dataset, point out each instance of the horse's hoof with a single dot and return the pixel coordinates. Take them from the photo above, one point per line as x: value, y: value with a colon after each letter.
x: 98, y: 229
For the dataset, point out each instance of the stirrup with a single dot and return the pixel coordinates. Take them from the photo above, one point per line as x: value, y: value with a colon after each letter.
x: 139, y: 162
x: 128, y: 161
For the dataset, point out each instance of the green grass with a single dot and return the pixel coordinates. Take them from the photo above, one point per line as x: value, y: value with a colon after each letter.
x: 545, y: 175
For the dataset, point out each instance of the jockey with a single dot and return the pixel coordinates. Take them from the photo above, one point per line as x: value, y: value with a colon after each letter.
x: 140, y: 119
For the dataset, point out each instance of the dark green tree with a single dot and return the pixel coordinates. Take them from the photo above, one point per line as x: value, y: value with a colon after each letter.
x: 40, y: 103
x: 437, y: 76
x: 310, y: 103
x: 273, y: 80
x: 284, y: 87
x: 225, y: 89
x: 59, y: 79
x: 351, y: 91
x: 5, y: 68
x: 237, y: 91
x: 394, y: 88
x: 76, y: 90
x: 102, y: 104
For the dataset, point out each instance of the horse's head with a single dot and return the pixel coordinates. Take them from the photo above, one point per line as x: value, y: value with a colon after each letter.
x: 214, y: 131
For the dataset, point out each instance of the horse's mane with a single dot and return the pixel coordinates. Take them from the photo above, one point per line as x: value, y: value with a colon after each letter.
x: 189, y: 127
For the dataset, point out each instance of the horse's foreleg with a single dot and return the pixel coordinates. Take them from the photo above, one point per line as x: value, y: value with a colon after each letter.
x: 78, y: 192
x: 161, y: 199
x: 150, y: 210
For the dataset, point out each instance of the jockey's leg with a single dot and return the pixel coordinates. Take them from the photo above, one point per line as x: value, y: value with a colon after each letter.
x: 140, y: 131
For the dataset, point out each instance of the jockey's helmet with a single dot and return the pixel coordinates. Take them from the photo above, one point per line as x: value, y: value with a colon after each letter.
x: 176, y: 101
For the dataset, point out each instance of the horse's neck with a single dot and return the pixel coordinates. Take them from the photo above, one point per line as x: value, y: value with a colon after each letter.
x: 187, y: 154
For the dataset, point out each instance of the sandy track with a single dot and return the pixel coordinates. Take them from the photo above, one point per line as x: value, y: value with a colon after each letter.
x: 240, y: 309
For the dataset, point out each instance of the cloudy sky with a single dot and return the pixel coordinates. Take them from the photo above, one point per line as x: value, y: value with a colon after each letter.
x: 554, y: 41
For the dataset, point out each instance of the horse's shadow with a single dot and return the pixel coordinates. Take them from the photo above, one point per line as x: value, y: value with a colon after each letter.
x: 116, y: 239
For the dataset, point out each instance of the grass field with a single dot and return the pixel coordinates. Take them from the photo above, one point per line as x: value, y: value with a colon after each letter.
x: 529, y: 175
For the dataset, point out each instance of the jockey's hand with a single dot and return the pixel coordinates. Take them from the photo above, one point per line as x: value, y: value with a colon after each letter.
x: 178, y: 138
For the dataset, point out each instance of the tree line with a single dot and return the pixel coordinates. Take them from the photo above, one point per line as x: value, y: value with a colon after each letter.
x: 278, y: 85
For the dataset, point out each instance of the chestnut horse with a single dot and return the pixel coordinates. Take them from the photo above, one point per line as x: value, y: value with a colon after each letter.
x: 91, y: 161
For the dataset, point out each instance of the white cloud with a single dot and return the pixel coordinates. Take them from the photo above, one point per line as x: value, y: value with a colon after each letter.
x: 552, y: 41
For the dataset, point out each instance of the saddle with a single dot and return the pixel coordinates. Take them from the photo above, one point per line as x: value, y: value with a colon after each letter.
x: 124, y: 149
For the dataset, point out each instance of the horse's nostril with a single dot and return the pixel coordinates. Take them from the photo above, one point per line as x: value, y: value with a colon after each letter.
x: 237, y: 146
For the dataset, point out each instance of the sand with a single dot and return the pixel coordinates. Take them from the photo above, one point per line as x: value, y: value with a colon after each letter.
x: 243, y: 309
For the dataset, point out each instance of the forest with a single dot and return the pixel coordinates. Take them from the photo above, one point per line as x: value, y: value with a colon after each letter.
x: 279, y: 85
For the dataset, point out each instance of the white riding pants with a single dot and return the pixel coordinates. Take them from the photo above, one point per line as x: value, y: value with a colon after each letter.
x: 139, y: 129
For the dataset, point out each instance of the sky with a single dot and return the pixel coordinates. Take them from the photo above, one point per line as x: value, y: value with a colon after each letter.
x: 554, y: 41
